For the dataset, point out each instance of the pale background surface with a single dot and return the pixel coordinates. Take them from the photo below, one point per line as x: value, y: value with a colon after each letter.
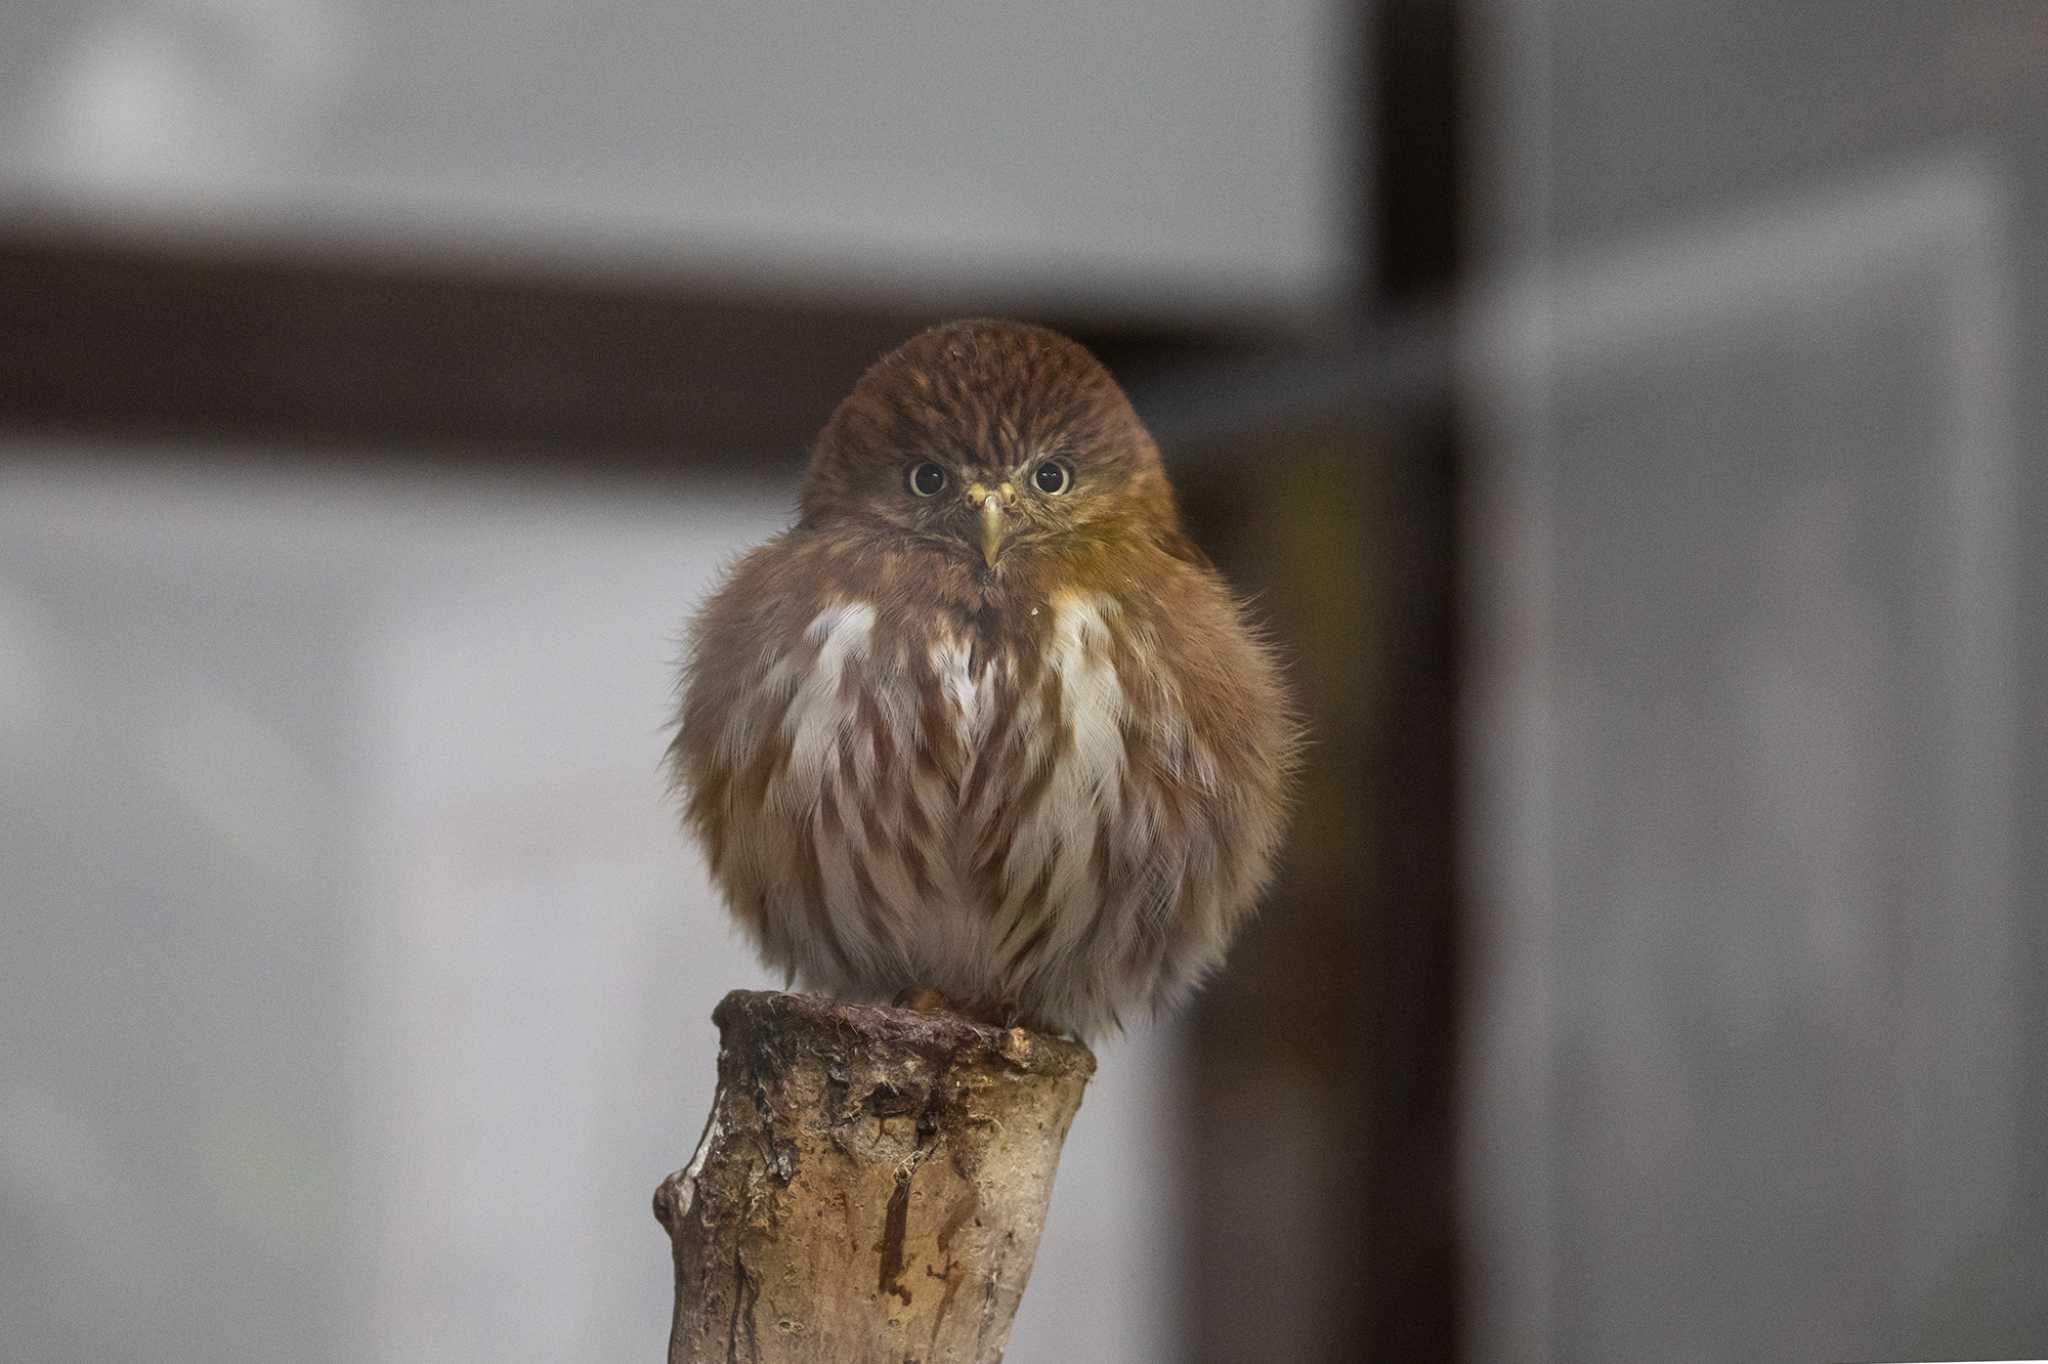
x: 1131, y: 153
x: 354, y: 979
x: 1757, y: 709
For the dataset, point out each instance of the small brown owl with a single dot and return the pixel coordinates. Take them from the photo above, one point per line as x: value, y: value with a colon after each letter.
x: 985, y: 722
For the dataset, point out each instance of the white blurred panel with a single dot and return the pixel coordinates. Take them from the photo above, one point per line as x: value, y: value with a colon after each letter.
x: 354, y: 979
x: 1152, y: 149
x: 1745, y: 1075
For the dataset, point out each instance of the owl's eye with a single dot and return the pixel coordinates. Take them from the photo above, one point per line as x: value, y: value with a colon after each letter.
x: 1053, y: 477
x: 927, y: 479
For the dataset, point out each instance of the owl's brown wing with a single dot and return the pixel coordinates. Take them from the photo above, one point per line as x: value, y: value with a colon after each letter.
x: 819, y: 765
x: 749, y: 653
x: 1167, y: 742
x: 1179, y: 546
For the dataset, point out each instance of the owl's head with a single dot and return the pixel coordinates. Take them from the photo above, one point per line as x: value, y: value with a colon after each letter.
x: 989, y: 440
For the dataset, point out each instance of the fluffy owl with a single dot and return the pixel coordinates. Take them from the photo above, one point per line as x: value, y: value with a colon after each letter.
x: 985, y: 723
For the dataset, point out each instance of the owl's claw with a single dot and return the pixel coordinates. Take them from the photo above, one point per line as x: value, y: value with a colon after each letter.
x: 926, y: 1000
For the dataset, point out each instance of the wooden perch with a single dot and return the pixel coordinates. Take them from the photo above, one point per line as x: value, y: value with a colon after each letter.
x: 870, y: 1185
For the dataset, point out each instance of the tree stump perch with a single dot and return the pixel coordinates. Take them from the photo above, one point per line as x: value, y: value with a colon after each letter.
x: 870, y: 1185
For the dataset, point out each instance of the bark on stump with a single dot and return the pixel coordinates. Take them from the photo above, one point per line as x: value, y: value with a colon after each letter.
x: 870, y: 1185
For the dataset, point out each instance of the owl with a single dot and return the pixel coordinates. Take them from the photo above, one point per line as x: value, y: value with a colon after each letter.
x: 985, y: 725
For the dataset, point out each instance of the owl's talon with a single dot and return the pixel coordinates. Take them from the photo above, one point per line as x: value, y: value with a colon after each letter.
x: 926, y: 1000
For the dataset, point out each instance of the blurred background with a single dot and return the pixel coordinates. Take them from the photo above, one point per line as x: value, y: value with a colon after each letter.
x: 1620, y: 411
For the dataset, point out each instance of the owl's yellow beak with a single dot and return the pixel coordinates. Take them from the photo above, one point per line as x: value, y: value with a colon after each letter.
x: 991, y: 529
x: 991, y: 502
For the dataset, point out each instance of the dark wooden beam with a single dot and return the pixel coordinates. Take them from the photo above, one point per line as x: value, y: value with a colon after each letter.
x: 1414, y: 85
x: 418, y: 360
x: 101, y: 338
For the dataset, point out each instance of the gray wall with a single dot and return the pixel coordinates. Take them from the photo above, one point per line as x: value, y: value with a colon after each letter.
x: 1129, y: 153
x: 1756, y: 711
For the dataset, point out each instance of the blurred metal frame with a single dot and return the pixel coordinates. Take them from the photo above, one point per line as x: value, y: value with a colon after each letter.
x: 1325, y: 1129
x: 1946, y: 218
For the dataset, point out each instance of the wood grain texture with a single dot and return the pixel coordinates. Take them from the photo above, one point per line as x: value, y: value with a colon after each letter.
x: 870, y: 1186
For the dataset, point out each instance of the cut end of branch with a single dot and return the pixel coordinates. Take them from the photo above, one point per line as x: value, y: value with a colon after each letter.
x: 934, y: 1034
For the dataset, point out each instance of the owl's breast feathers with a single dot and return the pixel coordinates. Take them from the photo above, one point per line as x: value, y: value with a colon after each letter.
x: 1047, y: 796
